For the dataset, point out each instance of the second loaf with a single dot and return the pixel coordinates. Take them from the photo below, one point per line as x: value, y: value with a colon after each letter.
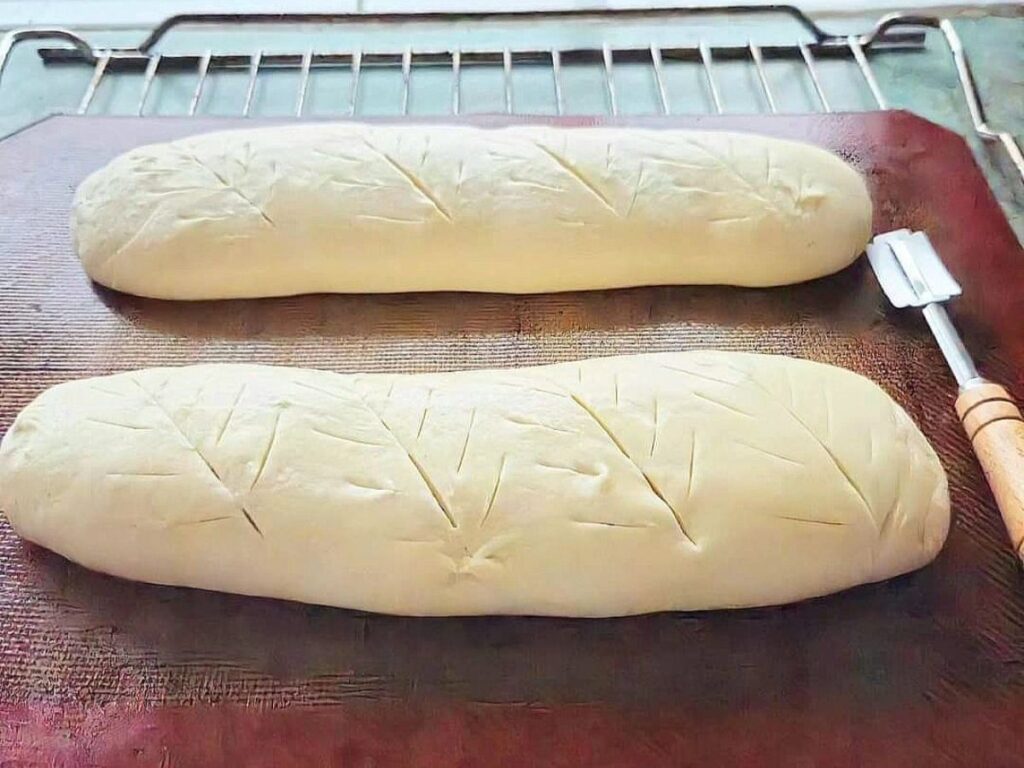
x: 354, y: 208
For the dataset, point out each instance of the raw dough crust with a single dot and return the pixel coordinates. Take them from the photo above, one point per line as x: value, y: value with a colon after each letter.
x: 607, y: 487
x: 350, y: 208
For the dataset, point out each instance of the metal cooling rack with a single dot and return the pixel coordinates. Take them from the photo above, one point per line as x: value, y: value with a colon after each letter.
x: 660, y: 62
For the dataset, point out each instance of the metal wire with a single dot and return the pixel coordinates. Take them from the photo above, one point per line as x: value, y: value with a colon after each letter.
x: 357, y: 66
x: 406, y: 74
x: 254, y: 73
x: 506, y: 65
x: 709, y: 72
x: 456, y: 81
x: 659, y: 78
x: 197, y: 94
x: 865, y: 67
x: 147, y: 82
x: 812, y: 70
x: 762, y: 76
x: 94, y: 82
x: 556, y: 74
x: 300, y: 99
x: 974, y: 106
x: 609, y: 79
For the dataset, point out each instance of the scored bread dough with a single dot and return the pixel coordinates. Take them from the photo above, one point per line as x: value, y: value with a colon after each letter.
x: 606, y: 487
x: 349, y: 208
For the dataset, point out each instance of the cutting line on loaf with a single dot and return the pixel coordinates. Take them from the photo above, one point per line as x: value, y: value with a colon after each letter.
x: 424, y: 415
x: 692, y: 463
x: 788, y: 409
x: 228, y: 186
x: 415, y: 181
x: 576, y: 174
x: 118, y: 424
x: 605, y: 524
x: 521, y: 422
x: 769, y: 452
x: 231, y: 412
x: 104, y: 390
x: 142, y: 474
x: 195, y: 449
x: 657, y: 419
x: 728, y: 166
x: 494, y: 491
x: 647, y: 478
x: 388, y: 219
x: 321, y: 390
x: 574, y: 470
x: 465, y: 443
x: 704, y: 376
x: 344, y: 438
x: 636, y: 189
x: 821, y: 444
x: 217, y: 519
x: 535, y: 185
x: 893, y: 508
x: 336, y: 155
x: 722, y: 404
x: 136, y: 237
x: 812, y: 521
x: 420, y: 469
x: 266, y: 452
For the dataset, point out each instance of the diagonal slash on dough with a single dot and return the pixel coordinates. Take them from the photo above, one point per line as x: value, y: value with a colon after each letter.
x: 650, y: 483
x: 573, y: 171
x: 229, y: 186
x: 415, y: 181
x: 435, y: 492
x: 727, y: 165
x: 149, y: 396
x: 840, y: 468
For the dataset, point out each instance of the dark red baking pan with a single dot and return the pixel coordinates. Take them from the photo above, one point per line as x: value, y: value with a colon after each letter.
x: 927, y: 669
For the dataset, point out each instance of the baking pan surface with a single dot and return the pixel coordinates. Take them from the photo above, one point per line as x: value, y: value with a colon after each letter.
x: 925, y: 669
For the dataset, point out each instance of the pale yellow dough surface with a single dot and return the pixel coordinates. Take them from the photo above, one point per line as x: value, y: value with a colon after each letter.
x: 607, y: 487
x: 352, y: 208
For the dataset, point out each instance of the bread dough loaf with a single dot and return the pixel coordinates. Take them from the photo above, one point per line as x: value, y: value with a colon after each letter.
x: 606, y: 487
x: 352, y: 208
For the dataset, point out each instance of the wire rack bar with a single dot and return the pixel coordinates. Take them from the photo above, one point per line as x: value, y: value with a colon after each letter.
x: 357, y: 67
x: 762, y: 77
x: 254, y: 72
x: 556, y: 75
x: 300, y: 98
x: 609, y: 78
x: 865, y: 67
x: 406, y: 75
x: 709, y: 73
x: 197, y: 94
x: 456, y: 81
x: 506, y: 67
x: 659, y: 78
x: 147, y: 83
x: 812, y: 70
x: 102, y: 61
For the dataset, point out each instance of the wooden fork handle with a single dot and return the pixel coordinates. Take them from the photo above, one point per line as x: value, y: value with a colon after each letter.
x: 996, y: 430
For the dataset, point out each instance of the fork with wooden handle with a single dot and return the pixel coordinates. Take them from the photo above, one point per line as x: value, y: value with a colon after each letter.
x: 912, y: 275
